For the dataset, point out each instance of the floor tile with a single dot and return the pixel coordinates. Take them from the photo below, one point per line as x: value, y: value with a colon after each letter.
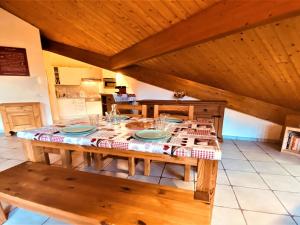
x: 225, y: 197
x: 245, y: 179
x: 52, y: 221
x: 233, y: 155
x: 156, y: 168
x: 269, y: 167
x: 227, y: 216
x: 258, y: 218
x: 175, y: 171
x: 118, y: 165
x: 114, y: 174
x: 236, y: 164
x: 293, y: 169
x: 258, y: 200
x: 285, y: 158
x: 9, y: 163
x: 258, y: 156
x: 147, y: 179
x: 282, y: 183
x: 291, y: 201
x: 178, y: 183
x: 222, y: 178
x: 25, y: 217
x: 220, y: 166
x: 297, y: 219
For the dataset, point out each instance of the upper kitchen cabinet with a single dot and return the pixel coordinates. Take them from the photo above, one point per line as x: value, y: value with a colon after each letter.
x: 73, y: 75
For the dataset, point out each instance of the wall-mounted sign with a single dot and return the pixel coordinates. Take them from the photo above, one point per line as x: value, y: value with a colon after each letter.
x: 13, y: 62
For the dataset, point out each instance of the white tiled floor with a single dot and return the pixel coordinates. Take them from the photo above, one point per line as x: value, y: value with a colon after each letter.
x: 256, y: 185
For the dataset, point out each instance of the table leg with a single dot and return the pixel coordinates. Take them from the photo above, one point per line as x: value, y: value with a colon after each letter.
x: 33, y: 153
x: 206, y: 179
x: 131, y: 166
x: 87, y: 159
x: 66, y: 158
x: 47, y: 159
x: 3, y: 216
x: 187, y: 172
x: 147, y: 167
x: 98, y: 161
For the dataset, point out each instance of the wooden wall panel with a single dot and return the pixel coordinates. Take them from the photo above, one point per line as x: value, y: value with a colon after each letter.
x: 240, y: 103
x: 105, y: 26
x: 262, y: 63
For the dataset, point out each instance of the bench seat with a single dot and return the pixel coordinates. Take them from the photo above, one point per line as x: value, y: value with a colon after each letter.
x: 85, y: 198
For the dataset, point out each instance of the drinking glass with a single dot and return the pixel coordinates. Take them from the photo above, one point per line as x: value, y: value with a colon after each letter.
x: 94, y: 119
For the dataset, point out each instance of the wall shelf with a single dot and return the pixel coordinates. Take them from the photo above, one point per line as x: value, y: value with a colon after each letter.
x: 287, y: 140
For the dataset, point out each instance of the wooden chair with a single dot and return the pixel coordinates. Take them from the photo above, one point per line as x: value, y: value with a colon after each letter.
x: 142, y: 110
x: 97, y: 159
x: 185, y: 112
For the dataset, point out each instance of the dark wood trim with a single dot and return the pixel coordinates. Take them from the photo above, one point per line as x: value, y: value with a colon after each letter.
x: 219, y: 20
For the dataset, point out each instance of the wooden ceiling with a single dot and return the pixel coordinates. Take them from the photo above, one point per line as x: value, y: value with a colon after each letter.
x: 249, y: 49
x: 106, y: 26
x: 263, y: 63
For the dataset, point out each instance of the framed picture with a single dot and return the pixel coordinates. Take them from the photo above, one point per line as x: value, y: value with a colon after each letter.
x: 13, y: 62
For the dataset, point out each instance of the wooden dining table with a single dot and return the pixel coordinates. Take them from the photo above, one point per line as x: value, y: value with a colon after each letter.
x: 191, y: 143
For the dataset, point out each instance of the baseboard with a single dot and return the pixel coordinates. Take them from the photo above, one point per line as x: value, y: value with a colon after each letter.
x: 228, y: 137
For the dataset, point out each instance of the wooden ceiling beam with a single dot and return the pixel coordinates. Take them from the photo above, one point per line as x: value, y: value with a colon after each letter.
x: 92, y: 58
x: 219, y: 20
x: 170, y: 82
x: 250, y: 106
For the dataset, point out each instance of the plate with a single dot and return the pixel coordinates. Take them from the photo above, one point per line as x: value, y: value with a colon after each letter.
x: 78, y: 134
x: 173, y: 120
x: 78, y: 129
x: 151, y: 134
x: 151, y: 140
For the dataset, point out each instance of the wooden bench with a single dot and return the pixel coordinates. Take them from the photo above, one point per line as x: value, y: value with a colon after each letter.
x: 85, y: 198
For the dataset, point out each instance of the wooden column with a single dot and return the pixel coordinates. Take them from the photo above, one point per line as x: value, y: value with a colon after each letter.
x: 206, y: 179
x: 147, y: 167
x: 131, y: 166
x: 33, y: 153
x: 187, y: 172
x: 3, y: 216
x: 66, y: 158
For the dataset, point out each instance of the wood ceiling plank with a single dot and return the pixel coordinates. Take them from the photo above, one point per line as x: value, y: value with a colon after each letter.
x: 244, y: 56
x: 269, y: 64
x: 105, y: 26
x: 240, y: 103
x: 221, y: 19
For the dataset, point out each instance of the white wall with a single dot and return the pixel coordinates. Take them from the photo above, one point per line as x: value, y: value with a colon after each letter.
x: 236, y: 125
x: 18, y: 33
x: 241, y: 125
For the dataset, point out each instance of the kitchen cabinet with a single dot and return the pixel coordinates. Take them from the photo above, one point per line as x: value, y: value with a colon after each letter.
x: 73, y: 75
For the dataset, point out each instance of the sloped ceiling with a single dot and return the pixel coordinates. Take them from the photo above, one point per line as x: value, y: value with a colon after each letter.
x: 105, y: 26
x: 261, y: 62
